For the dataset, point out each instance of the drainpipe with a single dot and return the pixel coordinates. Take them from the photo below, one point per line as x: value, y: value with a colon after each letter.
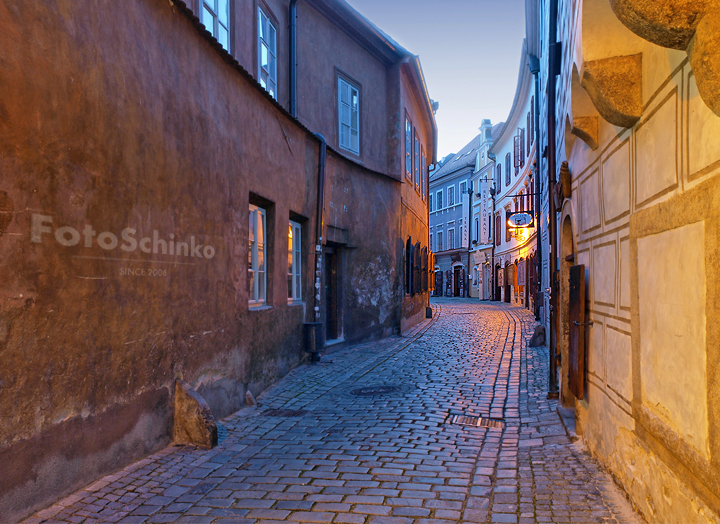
x: 319, y: 225
x: 293, y: 57
x: 535, y: 70
x: 553, y: 71
x: 314, y: 339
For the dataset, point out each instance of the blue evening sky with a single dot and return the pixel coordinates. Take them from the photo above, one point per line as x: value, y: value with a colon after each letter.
x: 470, y: 53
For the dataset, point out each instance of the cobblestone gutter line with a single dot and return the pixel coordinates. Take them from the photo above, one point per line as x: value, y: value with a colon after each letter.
x: 389, y: 455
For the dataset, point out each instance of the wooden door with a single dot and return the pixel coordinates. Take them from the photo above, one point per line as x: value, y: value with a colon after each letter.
x: 576, y: 371
x: 331, y: 296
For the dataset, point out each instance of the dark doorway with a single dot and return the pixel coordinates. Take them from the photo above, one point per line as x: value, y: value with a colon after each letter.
x: 456, y: 282
x: 508, y: 280
x: 332, y: 324
x: 496, y: 290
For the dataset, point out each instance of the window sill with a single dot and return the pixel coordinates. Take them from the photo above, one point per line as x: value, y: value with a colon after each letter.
x: 292, y: 303
x: 259, y: 307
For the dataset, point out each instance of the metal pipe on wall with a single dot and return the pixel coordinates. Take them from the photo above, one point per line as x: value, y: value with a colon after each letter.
x: 553, y: 70
x: 534, y: 64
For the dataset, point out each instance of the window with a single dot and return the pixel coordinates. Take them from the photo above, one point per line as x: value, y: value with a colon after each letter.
x: 508, y: 233
x: 498, y: 178
x: 417, y: 162
x: 348, y: 112
x: 256, y: 257
x: 409, y: 256
x: 439, y: 241
x: 432, y: 238
x: 507, y: 169
x: 497, y: 230
x: 529, y: 134
x: 451, y: 196
x: 463, y: 189
x: 215, y: 16
x: 408, y: 148
x: 531, y: 130
x: 423, y: 171
x: 451, y: 237
x: 267, y: 54
x: 430, y: 202
x: 519, y: 150
x: 477, y: 229
x: 439, y: 200
x: 294, y: 262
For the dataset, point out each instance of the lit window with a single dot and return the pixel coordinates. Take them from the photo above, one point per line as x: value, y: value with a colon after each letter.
x: 408, y: 148
x: 215, y: 16
x: 349, y: 115
x: 256, y: 257
x: 267, y: 54
x: 294, y: 267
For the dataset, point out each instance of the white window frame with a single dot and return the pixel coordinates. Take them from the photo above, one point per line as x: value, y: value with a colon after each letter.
x: 416, y: 160
x: 440, y: 241
x: 294, y: 262
x: 439, y: 200
x: 449, y: 204
x: 346, y: 111
x: 423, y: 171
x: 451, y: 229
x: 408, y: 148
x: 257, y: 291
x: 267, y: 41
x: 463, y: 188
x: 211, y: 16
x: 430, y: 202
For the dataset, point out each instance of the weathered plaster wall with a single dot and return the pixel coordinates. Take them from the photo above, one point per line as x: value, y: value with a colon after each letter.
x: 123, y: 115
x: 329, y: 51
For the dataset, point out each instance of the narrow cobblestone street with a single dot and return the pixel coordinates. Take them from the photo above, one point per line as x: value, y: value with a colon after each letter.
x: 371, y: 436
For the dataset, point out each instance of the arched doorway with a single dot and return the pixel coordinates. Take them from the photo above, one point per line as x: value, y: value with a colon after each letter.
x: 567, y: 259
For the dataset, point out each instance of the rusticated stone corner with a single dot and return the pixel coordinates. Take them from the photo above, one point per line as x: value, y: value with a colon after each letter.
x: 667, y: 23
x: 615, y: 87
x: 704, y: 53
x: 586, y: 129
x: 194, y: 422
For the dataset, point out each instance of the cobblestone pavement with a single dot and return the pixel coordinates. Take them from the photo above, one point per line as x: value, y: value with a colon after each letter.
x: 370, y: 436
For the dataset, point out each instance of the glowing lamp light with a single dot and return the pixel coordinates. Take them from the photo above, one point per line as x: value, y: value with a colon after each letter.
x: 522, y: 234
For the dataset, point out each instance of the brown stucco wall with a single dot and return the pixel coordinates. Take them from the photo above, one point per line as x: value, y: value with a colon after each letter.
x: 124, y: 115
x: 325, y: 51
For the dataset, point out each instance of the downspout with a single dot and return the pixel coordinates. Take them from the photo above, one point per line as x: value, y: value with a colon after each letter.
x: 319, y: 224
x: 293, y: 58
x: 553, y: 59
x: 535, y: 70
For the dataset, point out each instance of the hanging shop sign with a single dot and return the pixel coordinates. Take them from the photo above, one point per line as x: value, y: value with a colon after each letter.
x: 519, y: 219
